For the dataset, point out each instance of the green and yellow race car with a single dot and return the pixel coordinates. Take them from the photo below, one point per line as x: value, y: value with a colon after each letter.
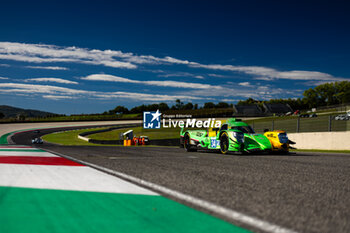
x: 234, y: 136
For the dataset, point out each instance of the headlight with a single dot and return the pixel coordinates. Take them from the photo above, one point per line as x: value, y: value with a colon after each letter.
x: 283, y: 138
x: 239, y: 137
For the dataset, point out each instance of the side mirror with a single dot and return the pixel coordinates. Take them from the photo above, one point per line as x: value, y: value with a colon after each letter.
x: 266, y: 130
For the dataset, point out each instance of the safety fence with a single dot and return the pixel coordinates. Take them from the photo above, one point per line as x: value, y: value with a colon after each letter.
x: 321, y: 123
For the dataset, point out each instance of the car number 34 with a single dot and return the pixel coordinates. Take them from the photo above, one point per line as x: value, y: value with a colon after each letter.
x: 214, y: 143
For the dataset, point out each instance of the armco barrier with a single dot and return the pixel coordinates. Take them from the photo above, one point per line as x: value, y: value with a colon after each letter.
x: 321, y: 140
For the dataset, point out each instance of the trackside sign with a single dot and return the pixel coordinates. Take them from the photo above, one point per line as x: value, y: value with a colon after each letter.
x: 152, y: 120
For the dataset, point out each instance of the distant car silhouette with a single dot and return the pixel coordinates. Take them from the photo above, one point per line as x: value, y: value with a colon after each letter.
x: 37, y: 141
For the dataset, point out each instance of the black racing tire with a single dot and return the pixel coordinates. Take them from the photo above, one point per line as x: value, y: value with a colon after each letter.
x: 181, y: 143
x: 224, y: 143
x: 188, y: 147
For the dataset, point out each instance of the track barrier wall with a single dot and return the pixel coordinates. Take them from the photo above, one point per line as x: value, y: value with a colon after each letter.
x: 321, y: 140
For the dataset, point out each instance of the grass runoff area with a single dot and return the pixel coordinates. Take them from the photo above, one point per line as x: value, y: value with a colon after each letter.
x: 69, y: 138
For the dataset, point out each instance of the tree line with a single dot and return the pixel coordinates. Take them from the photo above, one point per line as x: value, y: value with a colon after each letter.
x: 322, y: 95
x: 179, y: 105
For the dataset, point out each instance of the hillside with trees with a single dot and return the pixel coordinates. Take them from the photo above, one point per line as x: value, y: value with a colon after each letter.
x: 9, y: 111
x: 323, y: 95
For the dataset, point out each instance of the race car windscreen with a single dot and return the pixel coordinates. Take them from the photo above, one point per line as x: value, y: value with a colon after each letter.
x: 244, y: 129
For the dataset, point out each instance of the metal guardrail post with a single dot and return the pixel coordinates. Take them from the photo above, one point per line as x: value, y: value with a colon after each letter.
x: 330, y: 123
x: 298, y: 124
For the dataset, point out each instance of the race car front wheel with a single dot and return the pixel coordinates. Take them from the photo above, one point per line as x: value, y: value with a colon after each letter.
x: 187, y: 145
x: 224, y: 143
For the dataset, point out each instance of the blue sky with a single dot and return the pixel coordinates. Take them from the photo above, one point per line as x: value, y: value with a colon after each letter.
x: 83, y: 57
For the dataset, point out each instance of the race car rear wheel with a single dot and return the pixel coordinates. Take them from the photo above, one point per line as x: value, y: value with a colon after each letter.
x: 224, y: 143
x: 187, y: 145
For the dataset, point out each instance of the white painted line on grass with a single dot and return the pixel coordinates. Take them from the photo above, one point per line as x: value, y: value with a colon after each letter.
x: 225, y: 212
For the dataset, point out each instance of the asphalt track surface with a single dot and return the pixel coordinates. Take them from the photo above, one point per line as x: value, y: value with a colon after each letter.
x: 305, y: 192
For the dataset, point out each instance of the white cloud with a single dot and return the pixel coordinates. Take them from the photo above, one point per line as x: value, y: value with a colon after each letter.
x: 3, y: 78
x: 58, y: 97
x: 112, y: 78
x: 229, y: 100
x: 179, y: 74
x: 218, y: 75
x: 316, y: 83
x: 269, y: 74
x: 47, y: 67
x: 145, y: 97
x: 42, y: 53
x: 39, y: 89
x: 245, y: 84
x: 56, y: 80
x: 56, y: 93
x: 264, y: 78
x: 107, y: 77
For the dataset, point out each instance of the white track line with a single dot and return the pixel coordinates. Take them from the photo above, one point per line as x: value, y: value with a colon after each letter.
x: 225, y: 212
x: 17, y: 148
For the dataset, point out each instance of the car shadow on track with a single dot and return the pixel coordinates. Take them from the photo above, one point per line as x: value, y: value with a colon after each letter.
x: 299, y: 154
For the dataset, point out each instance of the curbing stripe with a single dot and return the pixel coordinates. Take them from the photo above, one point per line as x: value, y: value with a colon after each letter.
x: 21, y: 153
x: 68, y: 178
x: 22, y: 150
x: 35, y: 160
x: 209, y: 206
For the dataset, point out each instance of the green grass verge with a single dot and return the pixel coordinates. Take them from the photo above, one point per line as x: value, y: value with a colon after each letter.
x: 69, y: 138
x: 153, y: 134
x: 3, y: 139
